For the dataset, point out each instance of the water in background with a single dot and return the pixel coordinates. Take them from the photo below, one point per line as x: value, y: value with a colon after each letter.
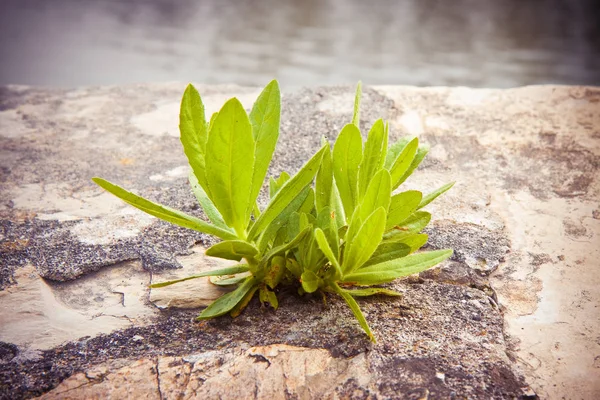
x: 306, y: 42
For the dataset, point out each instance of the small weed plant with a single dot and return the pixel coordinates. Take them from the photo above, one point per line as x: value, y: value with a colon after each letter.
x: 339, y: 225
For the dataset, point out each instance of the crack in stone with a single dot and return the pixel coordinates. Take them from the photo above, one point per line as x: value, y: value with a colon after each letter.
x: 160, y: 394
x: 260, y: 358
x: 122, y: 295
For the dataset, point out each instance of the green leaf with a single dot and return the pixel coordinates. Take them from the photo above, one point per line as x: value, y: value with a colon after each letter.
x: 310, y: 281
x: 326, y: 249
x: 276, y: 272
x: 326, y: 222
x: 413, y: 224
x: 377, y: 194
x: 264, y: 118
x: 421, y: 153
x: 232, y: 250
x: 268, y: 297
x: 324, y: 180
x: 163, y: 212
x: 293, y: 266
x: 434, y: 195
x: 212, y: 120
x: 282, y: 249
x: 290, y: 190
x: 355, y: 310
x: 228, y: 280
x: 372, y: 291
x: 352, y: 228
x: 361, y: 247
x: 357, y: 96
x: 394, y: 151
x: 374, y: 156
x: 207, y: 206
x: 275, y: 185
x: 229, y: 165
x: 282, y: 219
x: 338, y: 208
x: 236, y: 269
x: 309, y: 203
x: 402, y: 206
x: 347, y: 155
x: 388, y: 251
x: 228, y: 301
x: 241, y: 305
x: 314, y: 254
x: 415, y: 242
x: 403, y: 162
x: 193, y: 133
x: 390, y: 270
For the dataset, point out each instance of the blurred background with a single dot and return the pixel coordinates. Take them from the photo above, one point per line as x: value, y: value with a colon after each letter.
x: 501, y: 43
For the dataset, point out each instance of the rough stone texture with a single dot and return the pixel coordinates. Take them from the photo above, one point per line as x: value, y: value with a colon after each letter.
x: 437, y: 328
x: 518, y: 298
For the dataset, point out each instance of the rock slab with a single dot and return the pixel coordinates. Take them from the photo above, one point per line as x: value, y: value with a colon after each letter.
x: 513, y: 314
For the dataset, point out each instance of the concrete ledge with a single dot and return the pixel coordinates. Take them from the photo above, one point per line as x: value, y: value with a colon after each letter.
x: 77, y: 319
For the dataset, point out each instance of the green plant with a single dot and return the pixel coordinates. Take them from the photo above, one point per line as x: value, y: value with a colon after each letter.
x: 349, y: 231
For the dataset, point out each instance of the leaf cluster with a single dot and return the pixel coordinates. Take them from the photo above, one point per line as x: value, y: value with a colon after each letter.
x: 339, y: 225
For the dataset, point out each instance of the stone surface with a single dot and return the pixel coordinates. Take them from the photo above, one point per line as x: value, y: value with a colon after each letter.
x: 519, y: 298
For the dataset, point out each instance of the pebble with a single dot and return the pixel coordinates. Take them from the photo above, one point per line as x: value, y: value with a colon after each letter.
x: 441, y: 376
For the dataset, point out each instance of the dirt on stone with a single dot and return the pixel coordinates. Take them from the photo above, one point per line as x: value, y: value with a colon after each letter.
x: 435, y: 328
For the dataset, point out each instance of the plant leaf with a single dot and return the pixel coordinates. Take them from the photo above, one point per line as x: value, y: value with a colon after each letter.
x: 267, y: 296
x: 308, y: 205
x: 394, y: 151
x: 232, y: 250
x: 264, y: 118
x: 282, y: 219
x: 324, y: 180
x: 377, y: 194
x: 413, y: 224
x: 403, y: 162
x: 337, y: 208
x: 415, y: 242
x: 390, y: 270
x: 239, y: 307
x: 434, y: 195
x: 276, y: 184
x: 236, y: 269
x: 357, y: 96
x: 326, y: 222
x: 355, y: 310
x: 310, y: 281
x: 363, y: 244
x: 402, y: 206
x: 282, y: 249
x: 276, y: 272
x: 372, y: 291
x: 293, y: 266
x: 163, y: 212
x: 388, y: 251
x: 228, y: 280
x: 421, y: 153
x: 326, y: 249
x: 229, y: 165
x: 290, y: 190
x: 193, y: 132
x: 347, y: 155
x: 373, y: 158
x: 228, y: 301
x: 207, y: 206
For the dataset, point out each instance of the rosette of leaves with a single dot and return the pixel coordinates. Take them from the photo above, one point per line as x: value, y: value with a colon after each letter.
x: 344, y: 234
